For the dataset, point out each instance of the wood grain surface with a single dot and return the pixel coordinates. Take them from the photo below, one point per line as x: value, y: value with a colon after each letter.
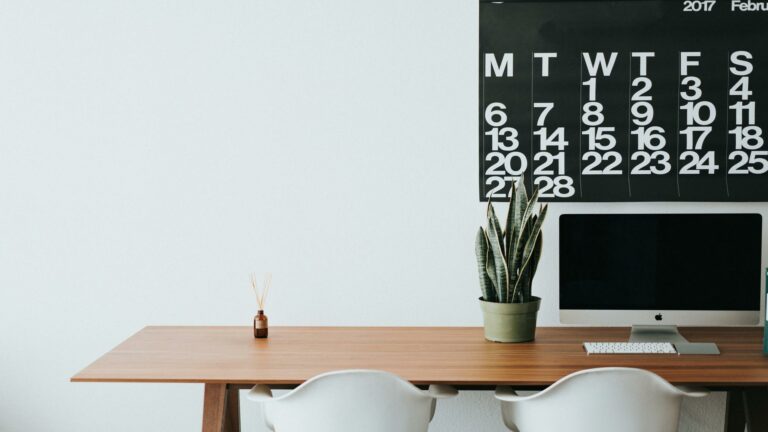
x: 451, y: 355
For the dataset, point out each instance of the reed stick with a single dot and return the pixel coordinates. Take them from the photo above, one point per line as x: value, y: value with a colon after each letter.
x: 261, y: 296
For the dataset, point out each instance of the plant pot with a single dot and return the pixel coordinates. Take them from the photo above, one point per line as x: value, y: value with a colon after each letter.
x: 510, y: 322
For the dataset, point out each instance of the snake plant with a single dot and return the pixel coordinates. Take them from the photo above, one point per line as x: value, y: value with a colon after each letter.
x: 507, y: 258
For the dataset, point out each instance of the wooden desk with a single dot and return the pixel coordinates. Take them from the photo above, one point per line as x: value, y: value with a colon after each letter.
x: 227, y: 359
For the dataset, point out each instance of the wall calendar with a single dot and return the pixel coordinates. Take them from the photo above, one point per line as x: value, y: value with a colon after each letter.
x: 628, y: 100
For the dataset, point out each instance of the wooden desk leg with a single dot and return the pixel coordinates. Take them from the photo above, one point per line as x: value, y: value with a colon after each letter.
x: 756, y: 409
x: 748, y: 407
x: 221, y: 408
x: 232, y: 416
x: 735, y: 418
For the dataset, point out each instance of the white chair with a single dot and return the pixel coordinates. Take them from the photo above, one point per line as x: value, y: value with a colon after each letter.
x: 351, y: 401
x: 598, y: 400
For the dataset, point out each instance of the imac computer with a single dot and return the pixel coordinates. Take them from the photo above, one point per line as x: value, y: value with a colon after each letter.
x: 657, y: 271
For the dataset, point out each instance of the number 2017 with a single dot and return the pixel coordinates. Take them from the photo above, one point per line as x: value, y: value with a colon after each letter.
x: 698, y: 5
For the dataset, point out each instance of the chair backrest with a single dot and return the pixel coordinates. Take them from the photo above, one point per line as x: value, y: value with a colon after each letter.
x: 352, y: 401
x: 599, y: 400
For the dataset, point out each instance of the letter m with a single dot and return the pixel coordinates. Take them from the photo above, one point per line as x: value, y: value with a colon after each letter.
x: 493, y: 67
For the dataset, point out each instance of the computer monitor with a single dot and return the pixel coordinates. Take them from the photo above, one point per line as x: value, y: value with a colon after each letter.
x: 663, y: 269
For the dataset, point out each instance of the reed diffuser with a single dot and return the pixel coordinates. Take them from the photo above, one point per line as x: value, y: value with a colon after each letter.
x: 260, y: 322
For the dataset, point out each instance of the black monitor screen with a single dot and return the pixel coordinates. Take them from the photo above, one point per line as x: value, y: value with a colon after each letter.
x: 660, y: 261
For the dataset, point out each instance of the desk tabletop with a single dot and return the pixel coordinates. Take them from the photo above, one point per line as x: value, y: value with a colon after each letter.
x: 423, y: 355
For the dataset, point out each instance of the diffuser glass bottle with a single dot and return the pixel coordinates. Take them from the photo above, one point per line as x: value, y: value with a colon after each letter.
x: 260, y: 322
x: 260, y: 325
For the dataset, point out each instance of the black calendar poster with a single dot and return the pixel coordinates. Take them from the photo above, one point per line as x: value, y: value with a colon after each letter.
x: 628, y: 100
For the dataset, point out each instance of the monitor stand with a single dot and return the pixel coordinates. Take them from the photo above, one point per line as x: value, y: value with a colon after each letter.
x: 659, y: 333
x: 656, y: 333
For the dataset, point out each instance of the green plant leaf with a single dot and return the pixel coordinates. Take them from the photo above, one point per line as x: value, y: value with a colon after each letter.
x: 530, y: 211
x: 494, y: 221
x: 529, y: 247
x: 481, y: 251
x: 490, y: 265
x: 524, y: 290
x: 522, y: 285
x: 534, y: 265
x: 500, y: 265
x: 490, y: 270
x: 517, y: 201
x: 522, y: 233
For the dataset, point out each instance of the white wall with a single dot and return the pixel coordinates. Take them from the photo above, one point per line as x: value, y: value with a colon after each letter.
x: 152, y: 154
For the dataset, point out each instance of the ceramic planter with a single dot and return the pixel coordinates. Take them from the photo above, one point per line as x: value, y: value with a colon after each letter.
x: 510, y: 322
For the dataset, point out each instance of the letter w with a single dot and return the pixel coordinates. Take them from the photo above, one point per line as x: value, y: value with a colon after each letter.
x: 599, y: 62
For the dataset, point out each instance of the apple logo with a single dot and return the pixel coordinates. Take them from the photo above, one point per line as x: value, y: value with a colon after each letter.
x: 659, y: 317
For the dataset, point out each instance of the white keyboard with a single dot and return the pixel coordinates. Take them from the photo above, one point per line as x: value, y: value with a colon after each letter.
x: 629, y: 348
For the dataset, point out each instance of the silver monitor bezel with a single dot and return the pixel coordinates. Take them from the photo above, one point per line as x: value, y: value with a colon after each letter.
x: 602, y: 317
